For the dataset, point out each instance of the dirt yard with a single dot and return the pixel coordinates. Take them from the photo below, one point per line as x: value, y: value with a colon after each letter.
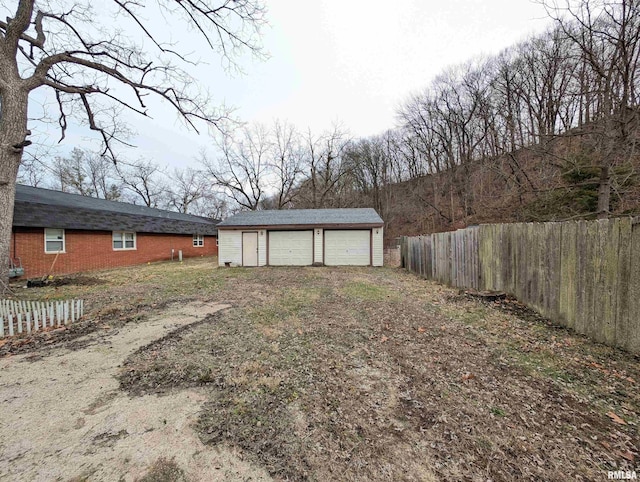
x: 187, y: 372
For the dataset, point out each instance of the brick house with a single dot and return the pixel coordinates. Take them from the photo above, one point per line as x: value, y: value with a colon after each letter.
x: 61, y: 233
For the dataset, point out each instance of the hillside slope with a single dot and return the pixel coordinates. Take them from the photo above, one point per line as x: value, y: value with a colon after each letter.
x: 552, y: 182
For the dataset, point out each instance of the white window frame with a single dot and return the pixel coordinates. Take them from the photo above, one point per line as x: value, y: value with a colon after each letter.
x: 64, y: 244
x: 198, y: 240
x: 124, y: 248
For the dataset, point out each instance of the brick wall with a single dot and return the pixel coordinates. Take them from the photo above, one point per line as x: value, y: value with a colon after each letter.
x: 92, y: 250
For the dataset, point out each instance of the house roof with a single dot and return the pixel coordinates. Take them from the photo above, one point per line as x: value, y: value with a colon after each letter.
x: 365, y: 217
x: 37, y: 207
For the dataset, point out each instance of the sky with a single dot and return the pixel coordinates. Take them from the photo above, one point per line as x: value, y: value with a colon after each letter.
x: 347, y: 62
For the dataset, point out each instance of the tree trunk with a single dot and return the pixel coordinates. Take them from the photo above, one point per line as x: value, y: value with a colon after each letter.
x: 13, y: 134
x: 604, y: 192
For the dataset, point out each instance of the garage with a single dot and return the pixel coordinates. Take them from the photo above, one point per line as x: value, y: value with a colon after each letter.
x: 302, y: 237
x: 347, y: 247
x: 290, y: 248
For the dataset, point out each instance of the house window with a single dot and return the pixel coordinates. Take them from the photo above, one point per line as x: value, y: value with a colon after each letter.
x: 53, y: 240
x: 124, y: 240
x: 198, y: 240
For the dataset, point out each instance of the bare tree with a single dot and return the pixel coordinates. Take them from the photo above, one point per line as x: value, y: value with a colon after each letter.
x: 212, y: 205
x: 143, y: 181
x: 187, y: 187
x: 33, y: 170
x: 69, y: 174
x: 607, y: 34
x: 102, y: 176
x: 369, y: 164
x: 286, y: 164
x: 85, y: 173
x: 325, y: 167
x: 241, y: 167
x: 93, y: 67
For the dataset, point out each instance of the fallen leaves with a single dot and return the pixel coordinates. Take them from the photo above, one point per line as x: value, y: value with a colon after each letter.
x: 615, y: 418
x: 627, y: 455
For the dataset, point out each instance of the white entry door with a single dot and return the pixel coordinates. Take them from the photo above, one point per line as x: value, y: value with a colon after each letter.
x: 290, y: 248
x: 347, y: 247
x: 249, y: 249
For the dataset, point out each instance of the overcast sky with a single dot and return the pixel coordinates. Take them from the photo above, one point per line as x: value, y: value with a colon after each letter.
x: 347, y: 61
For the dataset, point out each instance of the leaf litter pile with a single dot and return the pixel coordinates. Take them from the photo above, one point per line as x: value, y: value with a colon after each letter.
x: 375, y: 374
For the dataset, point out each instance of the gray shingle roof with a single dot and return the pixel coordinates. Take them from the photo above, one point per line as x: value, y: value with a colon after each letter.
x: 37, y: 207
x: 305, y: 217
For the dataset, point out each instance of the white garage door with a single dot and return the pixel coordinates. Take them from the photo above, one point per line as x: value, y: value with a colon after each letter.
x: 347, y: 248
x: 290, y: 248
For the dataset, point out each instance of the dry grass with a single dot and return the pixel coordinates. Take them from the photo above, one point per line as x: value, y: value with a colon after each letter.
x: 374, y: 374
x: 164, y: 470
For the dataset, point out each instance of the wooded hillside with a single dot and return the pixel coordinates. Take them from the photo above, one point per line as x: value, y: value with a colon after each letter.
x: 546, y: 130
x: 555, y: 182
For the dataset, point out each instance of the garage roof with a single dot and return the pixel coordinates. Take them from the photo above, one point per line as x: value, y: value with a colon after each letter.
x: 366, y: 217
x: 44, y: 208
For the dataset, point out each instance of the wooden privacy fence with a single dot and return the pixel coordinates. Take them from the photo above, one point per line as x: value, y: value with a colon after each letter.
x: 582, y: 274
x: 17, y: 317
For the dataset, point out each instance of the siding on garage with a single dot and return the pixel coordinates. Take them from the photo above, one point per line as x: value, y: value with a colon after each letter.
x: 318, y: 248
x: 230, y: 246
x: 378, y: 251
x: 262, y: 247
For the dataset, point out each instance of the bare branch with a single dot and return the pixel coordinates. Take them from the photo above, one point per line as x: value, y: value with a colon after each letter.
x: 62, y: 120
x: 15, y: 27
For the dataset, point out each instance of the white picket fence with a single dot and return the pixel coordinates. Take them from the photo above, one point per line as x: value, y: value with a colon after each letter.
x: 17, y: 317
